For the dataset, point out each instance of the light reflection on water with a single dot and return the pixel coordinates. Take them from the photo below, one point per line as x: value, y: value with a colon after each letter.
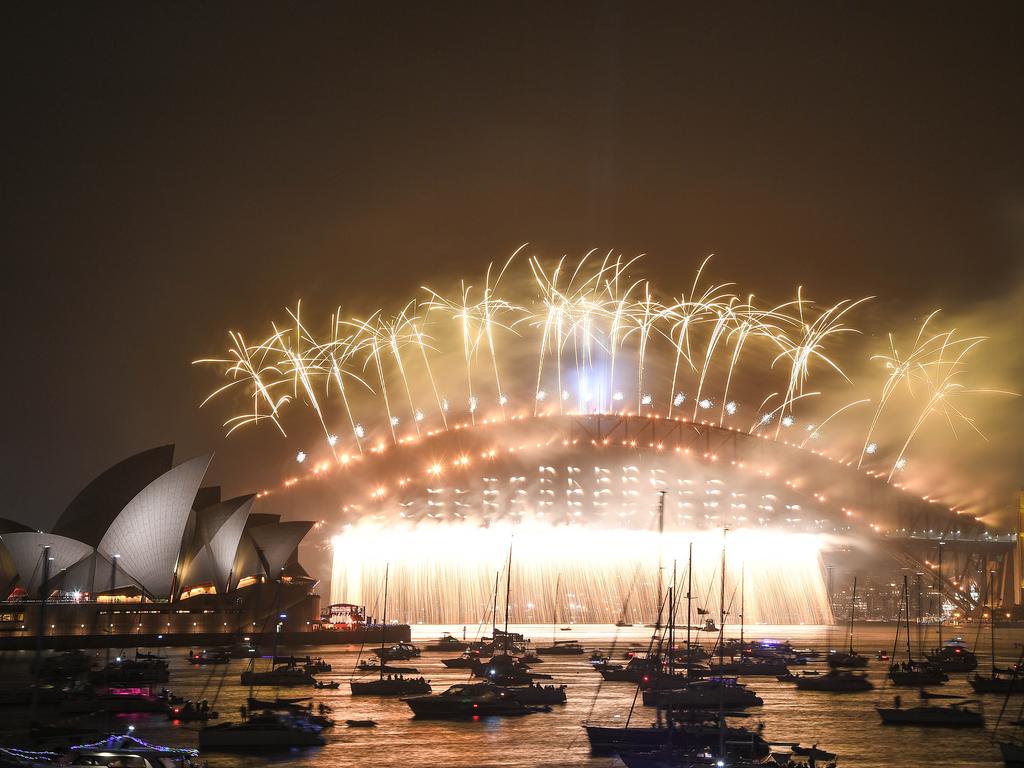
x: 846, y: 724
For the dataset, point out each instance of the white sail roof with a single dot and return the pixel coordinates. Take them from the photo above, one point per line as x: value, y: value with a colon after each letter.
x: 147, y: 533
x: 26, y: 550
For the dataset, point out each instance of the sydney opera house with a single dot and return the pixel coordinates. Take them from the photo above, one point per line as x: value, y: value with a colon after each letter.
x: 147, y: 553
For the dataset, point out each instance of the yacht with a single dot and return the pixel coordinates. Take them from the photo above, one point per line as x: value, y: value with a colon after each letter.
x: 286, y: 675
x: 954, y: 656
x: 469, y: 701
x: 835, y: 681
x: 562, y: 648
x: 956, y: 715
x: 398, y: 652
x: 392, y: 685
x: 267, y: 730
x: 705, y: 694
x: 447, y: 642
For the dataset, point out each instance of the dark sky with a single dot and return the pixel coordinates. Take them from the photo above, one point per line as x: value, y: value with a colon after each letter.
x: 172, y: 170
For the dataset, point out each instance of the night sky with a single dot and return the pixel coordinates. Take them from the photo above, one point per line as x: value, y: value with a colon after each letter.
x: 174, y: 170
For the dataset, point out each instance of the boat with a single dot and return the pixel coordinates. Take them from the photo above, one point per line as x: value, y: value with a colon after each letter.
x: 473, y: 700
x: 467, y: 660
x: 849, y: 658
x: 911, y: 672
x: 368, y: 666
x: 748, y: 666
x: 114, y: 750
x: 507, y: 670
x: 697, y: 731
x: 60, y: 665
x: 122, y: 671
x: 300, y: 704
x: 447, y: 642
x: 916, y: 673
x: 1012, y: 753
x: 316, y: 666
x: 189, y: 712
x: 956, y: 715
x: 562, y: 648
x: 281, y: 676
x: 1004, y: 681
x: 535, y: 693
x: 954, y: 656
x: 126, y: 749
x: 210, y: 656
x: 704, y: 694
x: 267, y: 730
x: 835, y: 681
x: 114, y: 700
x: 327, y: 685
x: 997, y: 682
x: 639, y: 667
x: 398, y: 652
x: 392, y: 685
x: 361, y: 723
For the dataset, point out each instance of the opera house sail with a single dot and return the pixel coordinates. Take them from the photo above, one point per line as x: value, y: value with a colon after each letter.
x: 146, y: 554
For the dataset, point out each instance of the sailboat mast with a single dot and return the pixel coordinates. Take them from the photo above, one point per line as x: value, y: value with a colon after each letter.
x: 992, y: 613
x: 942, y: 613
x: 689, y: 604
x: 508, y: 592
x: 384, y: 620
x: 494, y: 607
x: 743, y: 599
x: 853, y: 608
x: 661, y: 567
x: 721, y: 606
x: 554, y: 622
x: 906, y: 599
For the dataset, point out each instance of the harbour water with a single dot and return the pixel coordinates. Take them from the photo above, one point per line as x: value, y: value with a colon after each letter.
x: 843, y: 723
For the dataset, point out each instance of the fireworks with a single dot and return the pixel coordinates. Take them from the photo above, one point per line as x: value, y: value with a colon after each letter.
x: 590, y: 338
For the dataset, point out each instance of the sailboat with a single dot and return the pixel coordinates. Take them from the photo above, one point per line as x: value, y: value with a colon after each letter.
x: 849, y: 658
x: 560, y: 647
x: 770, y: 664
x: 709, y: 693
x: 911, y: 672
x: 505, y: 669
x: 392, y: 685
x: 1006, y: 681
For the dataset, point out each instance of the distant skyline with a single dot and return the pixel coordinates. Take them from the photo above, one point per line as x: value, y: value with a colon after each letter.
x: 176, y: 171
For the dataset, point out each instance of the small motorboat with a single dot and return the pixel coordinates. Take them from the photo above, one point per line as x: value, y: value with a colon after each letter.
x: 190, y: 713
x: 465, y: 661
x: 361, y: 723
x: 209, y: 656
x: 327, y: 685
